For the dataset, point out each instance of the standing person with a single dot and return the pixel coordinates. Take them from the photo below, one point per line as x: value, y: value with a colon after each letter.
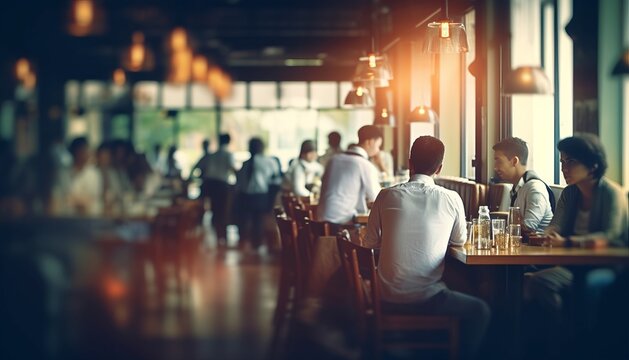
x: 253, y: 181
x: 220, y: 166
x: 350, y: 181
x: 334, y: 147
x: 414, y: 223
x: 202, y: 166
x: 529, y: 192
x: 303, y: 172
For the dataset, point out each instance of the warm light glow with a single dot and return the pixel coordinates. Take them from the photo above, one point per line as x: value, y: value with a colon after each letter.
x: 445, y: 29
x: 30, y: 81
x: 136, y: 56
x: 83, y: 12
x: 384, y: 113
x: 180, y: 66
x: 421, y: 110
x: 359, y: 91
x: 119, y: 77
x: 219, y: 82
x: 22, y: 68
x: 372, y: 60
x: 114, y: 288
x: 199, y: 68
x: 178, y: 39
x: 526, y: 77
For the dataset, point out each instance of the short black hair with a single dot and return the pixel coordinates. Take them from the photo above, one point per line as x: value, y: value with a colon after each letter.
x: 77, y: 144
x: 587, y: 149
x: 224, y: 139
x: 514, y: 146
x: 368, y: 132
x: 256, y: 146
x: 427, y: 155
x: 334, y: 139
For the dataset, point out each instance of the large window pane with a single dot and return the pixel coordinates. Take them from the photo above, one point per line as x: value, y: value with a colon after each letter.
x: 294, y: 94
x: 152, y: 127
x: 145, y: 94
x: 201, y: 96
x: 324, y: 95
x: 174, y: 96
x: 263, y: 94
x: 238, y: 98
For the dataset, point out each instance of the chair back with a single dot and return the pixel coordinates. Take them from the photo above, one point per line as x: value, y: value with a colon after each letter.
x: 294, y: 257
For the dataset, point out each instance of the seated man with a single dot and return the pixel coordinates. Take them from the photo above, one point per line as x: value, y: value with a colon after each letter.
x: 414, y: 223
x: 529, y: 192
x: 350, y: 180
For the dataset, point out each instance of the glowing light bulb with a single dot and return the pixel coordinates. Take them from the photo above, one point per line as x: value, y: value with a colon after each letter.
x: 372, y: 60
x: 359, y: 91
x: 445, y: 29
x: 84, y: 12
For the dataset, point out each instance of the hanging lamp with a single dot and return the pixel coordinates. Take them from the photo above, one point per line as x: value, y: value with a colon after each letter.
x: 622, y: 65
x: 527, y: 80
x: 359, y: 96
x: 423, y: 114
x: 446, y: 36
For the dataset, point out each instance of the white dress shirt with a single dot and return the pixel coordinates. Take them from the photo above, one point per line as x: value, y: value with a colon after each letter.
x: 535, y: 209
x: 414, y: 223
x: 349, y: 182
x: 300, y: 174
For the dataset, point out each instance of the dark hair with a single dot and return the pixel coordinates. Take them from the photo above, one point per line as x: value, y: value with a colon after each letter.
x: 368, y: 132
x: 427, y: 155
x: 224, y: 139
x: 334, y: 139
x: 514, y: 146
x: 77, y: 144
x: 306, y: 147
x: 586, y: 149
x: 205, y: 143
x: 256, y: 146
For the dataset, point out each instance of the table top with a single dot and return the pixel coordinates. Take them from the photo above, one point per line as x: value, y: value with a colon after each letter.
x: 361, y: 219
x: 537, y: 255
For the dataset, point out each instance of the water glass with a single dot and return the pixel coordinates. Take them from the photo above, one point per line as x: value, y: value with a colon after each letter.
x: 515, y: 217
x: 472, y: 233
x: 483, y: 241
x: 498, y: 229
x: 515, y: 236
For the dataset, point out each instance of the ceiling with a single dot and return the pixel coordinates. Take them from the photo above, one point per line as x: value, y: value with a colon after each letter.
x: 252, y: 39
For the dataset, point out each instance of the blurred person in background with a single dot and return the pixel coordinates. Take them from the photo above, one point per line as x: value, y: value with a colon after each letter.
x: 334, y: 147
x: 253, y: 181
x: 303, y: 174
x: 199, y: 170
x: 350, y: 181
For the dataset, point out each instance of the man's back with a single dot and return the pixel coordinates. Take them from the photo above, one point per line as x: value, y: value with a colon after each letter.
x: 349, y: 181
x: 415, y: 222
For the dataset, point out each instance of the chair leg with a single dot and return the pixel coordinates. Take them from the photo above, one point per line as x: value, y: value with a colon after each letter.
x: 454, y: 340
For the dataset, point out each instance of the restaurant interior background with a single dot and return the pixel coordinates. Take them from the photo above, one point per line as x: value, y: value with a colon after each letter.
x: 281, y: 70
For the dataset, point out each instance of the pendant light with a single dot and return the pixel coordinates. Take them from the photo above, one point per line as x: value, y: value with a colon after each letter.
x: 445, y: 36
x: 138, y: 57
x: 359, y: 96
x: 373, y: 70
x: 527, y: 80
x: 622, y: 65
x: 423, y: 114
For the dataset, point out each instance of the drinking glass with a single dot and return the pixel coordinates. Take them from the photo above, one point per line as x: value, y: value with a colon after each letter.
x: 498, y: 228
x: 515, y: 216
x: 472, y: 233
x: 515, y: 236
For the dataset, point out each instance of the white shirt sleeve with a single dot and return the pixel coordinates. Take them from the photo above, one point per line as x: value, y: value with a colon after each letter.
x: 299, y: 180
x: 459, y: 229
x: 372, y: 187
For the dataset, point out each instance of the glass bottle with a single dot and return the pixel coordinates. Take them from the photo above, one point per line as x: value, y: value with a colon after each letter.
x: 484, y: 224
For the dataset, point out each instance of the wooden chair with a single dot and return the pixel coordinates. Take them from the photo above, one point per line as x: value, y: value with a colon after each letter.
x: 359, y: 264
x: 293, y: 277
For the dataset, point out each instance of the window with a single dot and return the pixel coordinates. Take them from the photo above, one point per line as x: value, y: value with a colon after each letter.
x: 536, y: 41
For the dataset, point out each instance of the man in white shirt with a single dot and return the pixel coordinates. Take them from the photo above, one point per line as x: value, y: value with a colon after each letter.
x: 414, y: 223
x: 529, y: 192
x: 350, y: 181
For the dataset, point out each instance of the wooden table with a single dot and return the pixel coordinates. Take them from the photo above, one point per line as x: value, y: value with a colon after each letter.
x: 361, y: 219
x: 514, y: 262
